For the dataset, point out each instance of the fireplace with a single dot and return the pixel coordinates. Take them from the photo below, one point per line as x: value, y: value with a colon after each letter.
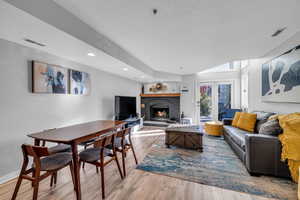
x: 159, y: 112
x: 163, y: 109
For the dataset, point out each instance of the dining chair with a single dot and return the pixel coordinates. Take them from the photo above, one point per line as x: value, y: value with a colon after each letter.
x: 122, y: 144
x: 44, y: 162
x: 85, y: 145
x: 96, y: 156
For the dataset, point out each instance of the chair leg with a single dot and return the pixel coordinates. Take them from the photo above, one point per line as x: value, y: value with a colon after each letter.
x: 134, y: 155
x: 33, y: 174
x: 118, y: 164
x: 35, y: 189
x: 51, y: 180
x: 55, y: 178
x: 102, y: 181
x: 97, y: 170
x: 24, y: 166
x: 123, y: 162
x: 83, y: 163
x: 17, y: 187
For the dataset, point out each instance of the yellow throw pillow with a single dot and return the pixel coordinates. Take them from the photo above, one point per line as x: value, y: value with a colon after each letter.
x: 236, y: 119
x: 247, y: 121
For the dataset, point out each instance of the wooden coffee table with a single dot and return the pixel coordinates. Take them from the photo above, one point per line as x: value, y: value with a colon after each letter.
x: 189, y: 137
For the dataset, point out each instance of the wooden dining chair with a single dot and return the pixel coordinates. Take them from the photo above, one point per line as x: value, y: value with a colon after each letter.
x: 43, y: 161
x: 96, y: 156
x: 122, y: 144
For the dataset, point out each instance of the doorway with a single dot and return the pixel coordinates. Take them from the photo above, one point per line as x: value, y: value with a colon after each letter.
x: 212, y: 100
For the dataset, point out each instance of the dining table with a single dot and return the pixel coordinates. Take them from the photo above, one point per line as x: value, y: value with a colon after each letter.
x: 74, y: 135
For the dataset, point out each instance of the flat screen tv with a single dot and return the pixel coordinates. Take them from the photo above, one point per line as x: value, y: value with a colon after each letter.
x: 125, y: 107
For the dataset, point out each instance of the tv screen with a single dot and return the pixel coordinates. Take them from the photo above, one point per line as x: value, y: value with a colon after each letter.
x: 125, y: 107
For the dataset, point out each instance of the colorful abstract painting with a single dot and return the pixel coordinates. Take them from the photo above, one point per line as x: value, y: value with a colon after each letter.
x: 80, y: 83
x: 49, y: 78
x: 281, y: 78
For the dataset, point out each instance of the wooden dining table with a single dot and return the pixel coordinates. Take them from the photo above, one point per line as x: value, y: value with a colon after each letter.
x: 74, y: 135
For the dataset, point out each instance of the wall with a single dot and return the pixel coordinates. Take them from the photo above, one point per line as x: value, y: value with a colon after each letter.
x: 187, y: 101
x: 254, y: 68
x: 23, y: 112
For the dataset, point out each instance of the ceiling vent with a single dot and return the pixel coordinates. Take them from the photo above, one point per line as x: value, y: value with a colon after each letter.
x: 34, y: 42
x: 278, y: 32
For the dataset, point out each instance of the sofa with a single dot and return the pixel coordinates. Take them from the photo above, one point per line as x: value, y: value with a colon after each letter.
x: 260, y: 153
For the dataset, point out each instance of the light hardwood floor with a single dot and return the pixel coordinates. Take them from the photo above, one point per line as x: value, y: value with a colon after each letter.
x: 138, y: 185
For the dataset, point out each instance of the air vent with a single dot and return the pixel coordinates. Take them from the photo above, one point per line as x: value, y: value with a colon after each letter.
x: 277, y: 32
x: 34, y: 42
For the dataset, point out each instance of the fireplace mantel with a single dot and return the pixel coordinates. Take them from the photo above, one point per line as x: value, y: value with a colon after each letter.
x: 161, y: 95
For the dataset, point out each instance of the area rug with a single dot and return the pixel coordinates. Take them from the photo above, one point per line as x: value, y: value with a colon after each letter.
x: 216, y: 166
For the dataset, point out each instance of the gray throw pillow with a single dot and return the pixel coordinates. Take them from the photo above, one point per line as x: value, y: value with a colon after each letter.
x: 271, y: 127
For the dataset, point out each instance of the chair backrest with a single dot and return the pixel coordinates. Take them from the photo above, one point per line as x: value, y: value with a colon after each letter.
x: 34, y: 151
x: 105, y: 140
x: 123, y: 133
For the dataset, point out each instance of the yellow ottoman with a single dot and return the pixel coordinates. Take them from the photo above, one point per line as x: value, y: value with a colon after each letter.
x: 213, y: 128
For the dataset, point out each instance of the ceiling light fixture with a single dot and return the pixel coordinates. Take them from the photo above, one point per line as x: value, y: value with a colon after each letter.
x: 125, y: 69
x: 91, y: 54
x: 278, y: 31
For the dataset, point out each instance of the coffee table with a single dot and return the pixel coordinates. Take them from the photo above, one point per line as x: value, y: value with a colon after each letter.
x: 189, y: 137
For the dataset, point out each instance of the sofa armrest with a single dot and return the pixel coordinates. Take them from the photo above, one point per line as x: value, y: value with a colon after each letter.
x: 227, y: 121
x: 263, y: 155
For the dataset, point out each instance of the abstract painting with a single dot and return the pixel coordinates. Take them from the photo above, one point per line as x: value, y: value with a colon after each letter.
x: 49, y: 78
x: 80, y: 83
x: 281, y: 78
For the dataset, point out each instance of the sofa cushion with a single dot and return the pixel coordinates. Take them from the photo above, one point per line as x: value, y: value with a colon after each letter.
x: 271, y: 127
x: 236, y: 119
x: 247, y: 121
x: 261, y: 118
x: 237, y: 135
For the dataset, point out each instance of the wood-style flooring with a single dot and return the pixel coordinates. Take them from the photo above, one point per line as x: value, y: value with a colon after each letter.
x: 138, y: 185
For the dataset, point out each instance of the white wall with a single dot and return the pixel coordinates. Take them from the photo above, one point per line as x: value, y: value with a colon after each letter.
x: 187, y: 101
x: 23, y: 112
x: 254, y: 68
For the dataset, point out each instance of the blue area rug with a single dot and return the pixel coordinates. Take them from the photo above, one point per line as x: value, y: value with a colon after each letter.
x: 216, y: 166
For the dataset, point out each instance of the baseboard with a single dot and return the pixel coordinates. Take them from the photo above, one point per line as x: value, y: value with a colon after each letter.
x: 8, y: 177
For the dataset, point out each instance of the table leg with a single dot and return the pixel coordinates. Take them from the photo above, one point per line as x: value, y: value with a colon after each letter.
x: 76, y: 171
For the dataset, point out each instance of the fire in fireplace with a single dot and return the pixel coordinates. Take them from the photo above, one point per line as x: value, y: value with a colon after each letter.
x: 159, y: 113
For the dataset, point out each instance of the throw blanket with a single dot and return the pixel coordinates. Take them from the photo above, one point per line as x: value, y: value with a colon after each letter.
x: 290, y: 140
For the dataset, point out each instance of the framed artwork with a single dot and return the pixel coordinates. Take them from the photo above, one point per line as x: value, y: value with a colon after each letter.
x: 80, y: 83
x: 48, y: 78
x: 280, y: 81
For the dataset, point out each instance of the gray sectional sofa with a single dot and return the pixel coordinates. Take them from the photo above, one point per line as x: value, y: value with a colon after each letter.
x: 260, y: 153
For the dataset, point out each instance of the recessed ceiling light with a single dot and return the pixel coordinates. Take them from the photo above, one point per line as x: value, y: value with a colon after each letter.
x: 125, y: 69
x: 91, y: 54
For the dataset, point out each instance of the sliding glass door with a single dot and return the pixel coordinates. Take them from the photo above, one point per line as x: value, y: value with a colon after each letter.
x: 212, y: 100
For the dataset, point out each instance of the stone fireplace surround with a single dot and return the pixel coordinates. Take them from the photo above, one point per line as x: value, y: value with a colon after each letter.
x: 170, y: 104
